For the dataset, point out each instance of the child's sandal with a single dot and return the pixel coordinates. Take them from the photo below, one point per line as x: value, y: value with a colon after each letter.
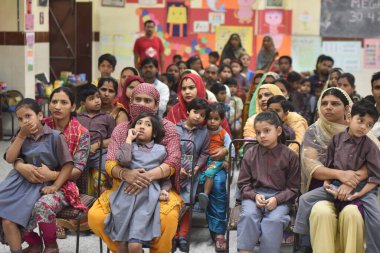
x: 220, y: 244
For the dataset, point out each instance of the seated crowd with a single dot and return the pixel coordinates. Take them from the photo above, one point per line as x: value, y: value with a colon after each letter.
x: 148, y: 172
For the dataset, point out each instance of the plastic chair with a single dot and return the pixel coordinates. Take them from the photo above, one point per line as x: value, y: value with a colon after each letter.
x: 7, y: 106
x: 293, y: 211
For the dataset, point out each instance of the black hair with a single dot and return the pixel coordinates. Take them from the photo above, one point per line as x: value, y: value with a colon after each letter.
x: 102, y: 80
x: 29, y: 103
x: 135, y: 72
x: 220, y: 108
x: 149, y: 60
x: 197, y: 104
x: 304, y: 80
x: 271, y: 118
x: 68, y: 92
x: 172, y: 101
x: 287, y: 57
x: 337, y: 93
x: 223, y: 66
x: 171, y: 65
x: 172, y: 82
x: 293, y: 77
x: 214, y: 54
x: 364, y: 107
x: 149, y: 22
x: 238, y: 61
x: 86, y: 90
x: 375, y: 77
x: 217, y: 87
x: 157, y: 126
x: 285, y: 104
x: 178, y: 63
x: 350, y: 78
x: 323, y: 58
x: 107, y: 57
x: 287, y: 85
x: 336, y: 70
x: 193, y: 59
x: 177, y: 56
x: 230, y: 82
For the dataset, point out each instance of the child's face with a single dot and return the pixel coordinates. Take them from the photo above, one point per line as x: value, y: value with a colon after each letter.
x: 246, y: 60
x: 225, y: 74
x: 267, y: 134
x: 213, y: 121
x: 360, y: 125
x: 305, y: 88
x: 174, y: 70
x: 212, y: 60
x: 130, y: 88
x: 105, y: 68
x: 182, y: 66
x: 283, y: 89
x: 221, y: 96
x: 277, y: 108
x: 144, y: 130
x: 196, y: 117
x: 236, y: 68
x: 333, y: 81
x: 233, y: 89
x: 93, y: 103
x: 284, y: 65
x: 107, y: 93
x: 27, y: 116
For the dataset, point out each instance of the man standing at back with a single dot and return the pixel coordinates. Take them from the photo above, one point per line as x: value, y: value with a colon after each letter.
x: 149, y: 46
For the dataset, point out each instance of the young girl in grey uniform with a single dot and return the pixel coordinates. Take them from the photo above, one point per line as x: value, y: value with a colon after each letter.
x: 135, y: 219
x: 43, y: 149
x: 268, y: 180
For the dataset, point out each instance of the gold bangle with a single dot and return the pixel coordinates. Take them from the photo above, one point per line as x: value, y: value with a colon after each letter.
x: 119, y: 175
x: 162, y: 171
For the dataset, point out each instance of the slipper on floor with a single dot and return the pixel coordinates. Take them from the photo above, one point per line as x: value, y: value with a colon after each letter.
x: 203, y: 200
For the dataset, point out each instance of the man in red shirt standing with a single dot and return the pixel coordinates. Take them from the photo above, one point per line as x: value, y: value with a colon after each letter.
x: 149, y: 46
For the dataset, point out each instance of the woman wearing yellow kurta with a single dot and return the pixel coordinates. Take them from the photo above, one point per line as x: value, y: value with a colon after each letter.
x: 145, y: 98
x: 293, y: 119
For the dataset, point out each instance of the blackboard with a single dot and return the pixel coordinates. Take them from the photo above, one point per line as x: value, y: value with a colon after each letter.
x: 350, y: 18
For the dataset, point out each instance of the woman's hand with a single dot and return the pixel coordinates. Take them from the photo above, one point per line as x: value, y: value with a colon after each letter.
x: 343, y: 192
x: 219, y: 154
x: 136, y: 179
x: 349, y: 178
x: 183, y: 174
x: 94, y: 147
x: 30, y: 172
x: 48, y: 174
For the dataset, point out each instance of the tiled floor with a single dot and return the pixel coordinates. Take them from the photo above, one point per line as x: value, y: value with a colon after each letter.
x: 200, y: 238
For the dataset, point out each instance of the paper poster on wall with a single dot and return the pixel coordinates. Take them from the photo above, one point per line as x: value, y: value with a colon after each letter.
x: 219, y: 5
x: 245, y: 13
x: 274, y: 3
x: 29, y: 22
x: 176, y: 21
x: 282, y: 43
x: 346, y: 54
x: 29, y: 59
x: 201, y: 26
x: 275, y: 21
x: 306, y: 17
x: 222, y: 34
x: 305, y: 51
x: 148, y: 2
x: 29, y: 36
x: 371, y: 53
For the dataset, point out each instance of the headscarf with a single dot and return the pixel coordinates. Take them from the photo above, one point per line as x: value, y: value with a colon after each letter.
x: 179, y: 110
x: 254, y: 107
x: 229, y: 52
x: 266, y: 56
x: 148, y: 89
x: 123, y: 99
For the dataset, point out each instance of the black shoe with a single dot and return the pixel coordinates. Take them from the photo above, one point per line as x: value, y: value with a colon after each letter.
x: 183, y: 245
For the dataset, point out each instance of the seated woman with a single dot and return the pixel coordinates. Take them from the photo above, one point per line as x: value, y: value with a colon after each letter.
x: 145, y: 98
x: 125, y: 97
x: 342, y: 231
x: 293, y: 120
